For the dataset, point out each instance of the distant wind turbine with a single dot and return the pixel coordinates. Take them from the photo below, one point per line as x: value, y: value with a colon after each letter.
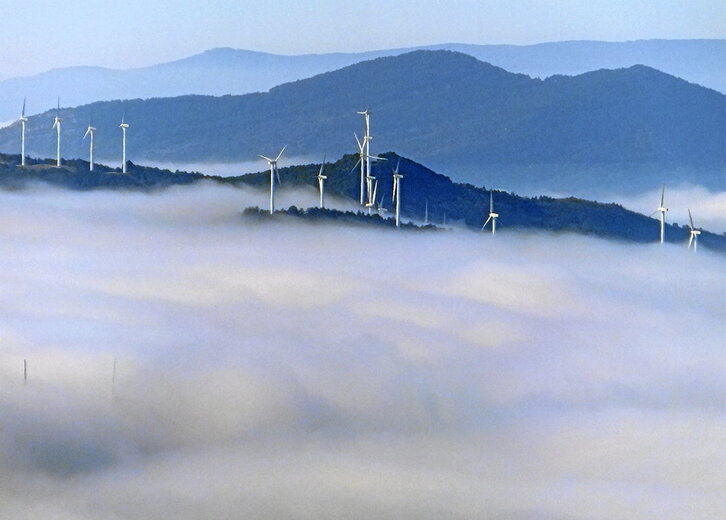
x: 124, y: 125
x: 662, y: 210
x: 492, y: 216
x: 321, y: 184
x: 22, y: 120
x: 380, y: 209
x: 89, y: 132
x: 57, y: 127
x: 397, y: 193
x: 693, y: 240
x: 426, y: 213
x: 273, y: 174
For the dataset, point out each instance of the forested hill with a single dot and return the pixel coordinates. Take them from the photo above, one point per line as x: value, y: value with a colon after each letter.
x: 447, y: 109
x: 462, y: 203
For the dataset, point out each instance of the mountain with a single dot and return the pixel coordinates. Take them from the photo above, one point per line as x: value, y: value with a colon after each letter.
x: 231, y: 71
x: 477, y: 121
x: 446, y: 200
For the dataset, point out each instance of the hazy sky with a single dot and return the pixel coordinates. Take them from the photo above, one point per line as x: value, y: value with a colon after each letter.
x: 43, y: 34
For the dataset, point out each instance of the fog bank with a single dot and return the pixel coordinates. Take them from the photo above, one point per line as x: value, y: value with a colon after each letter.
x: 284, y: 370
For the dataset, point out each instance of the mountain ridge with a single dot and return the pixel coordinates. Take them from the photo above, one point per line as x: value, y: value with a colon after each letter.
x: 423, y: 188
x: 225, y: 70
x: 448, y: 109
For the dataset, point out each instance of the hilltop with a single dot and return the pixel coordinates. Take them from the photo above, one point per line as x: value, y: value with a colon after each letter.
x: 223, y: 71
x: 634, y: 127
x: 459, y: 204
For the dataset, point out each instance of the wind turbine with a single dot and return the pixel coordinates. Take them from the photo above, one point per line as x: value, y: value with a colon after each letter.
x: 89, y: 132
x: 22, y: 120
x: 426, y: 213
x: 397, y: 193
x: 124, y: 125
x: 662, y: 210
x: 492, y: 216
x: 361, y: 161
x: 694, y: 233
x: 57, y: 127
x: 273, y: 173
x: 321, y: 184
x: 372, y: 194
x: 380, y: 209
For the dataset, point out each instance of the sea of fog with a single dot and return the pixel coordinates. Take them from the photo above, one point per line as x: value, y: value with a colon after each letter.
x: 297, y: 371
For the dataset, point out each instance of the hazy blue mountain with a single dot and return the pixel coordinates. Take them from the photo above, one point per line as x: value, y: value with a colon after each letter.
x: 461, y: 203
x: 231, y: 71
x: 637, y: 126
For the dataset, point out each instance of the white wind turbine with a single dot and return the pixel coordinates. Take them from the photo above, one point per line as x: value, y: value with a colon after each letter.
x: 362, y: 163
x: 492, y: 216
x: 273, y: 174
x: 662, y: 210
x: 22, y: 121
x: 123, y: 126
x: 693, y: 240
x: 397, y: 193
x: 321, y: 184
x: 367, y: 145
x: 57, y: 127
x: 89, y: 132
x: 372, y: 195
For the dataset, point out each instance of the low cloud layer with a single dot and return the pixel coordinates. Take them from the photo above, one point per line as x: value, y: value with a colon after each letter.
x: 314, y: 372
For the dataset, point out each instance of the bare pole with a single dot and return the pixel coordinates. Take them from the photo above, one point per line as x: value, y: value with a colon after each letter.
x: 25, y: 371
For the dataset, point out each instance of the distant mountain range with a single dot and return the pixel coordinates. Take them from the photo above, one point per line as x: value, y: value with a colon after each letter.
x: 633, y: 128
x: 462, y: 204
x: 230, y: 71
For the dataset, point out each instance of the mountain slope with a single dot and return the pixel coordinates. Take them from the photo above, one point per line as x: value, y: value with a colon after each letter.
x: 449, y: 109
x: 461, y: 203
x: 232, y: 71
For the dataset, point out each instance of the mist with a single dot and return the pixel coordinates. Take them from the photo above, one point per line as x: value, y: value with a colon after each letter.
x: 290, y: 370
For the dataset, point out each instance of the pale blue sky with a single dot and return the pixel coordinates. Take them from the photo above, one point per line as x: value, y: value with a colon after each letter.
x: 36, y: 35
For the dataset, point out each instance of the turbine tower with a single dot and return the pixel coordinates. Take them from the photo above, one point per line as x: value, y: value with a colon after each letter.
x: 321, y: 184
x: 426, y: 213
x: 694, y: 233
x: 362, y: 163
x: 397, y: 193
x: 22, y: 120
x: 662, y: 210
x: 89, y: 132
x: 273, y: 174
x: 492, y: 216
x: 57, y: 127
x: 123, y: 126
x: 367, y: 145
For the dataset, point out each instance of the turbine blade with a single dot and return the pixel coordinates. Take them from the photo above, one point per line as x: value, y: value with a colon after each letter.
x: 360, y: 145
x: 265, y: 158
x: 485, y: 223
x: 662, y: 197
x: 280, y: 154
x: 356, y: 166
x: 491, y: 202
x: 23, y: 113
x: 87, y: 132
x: 690, y: 241
x: 690, y: 218
x: 277, y: 174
